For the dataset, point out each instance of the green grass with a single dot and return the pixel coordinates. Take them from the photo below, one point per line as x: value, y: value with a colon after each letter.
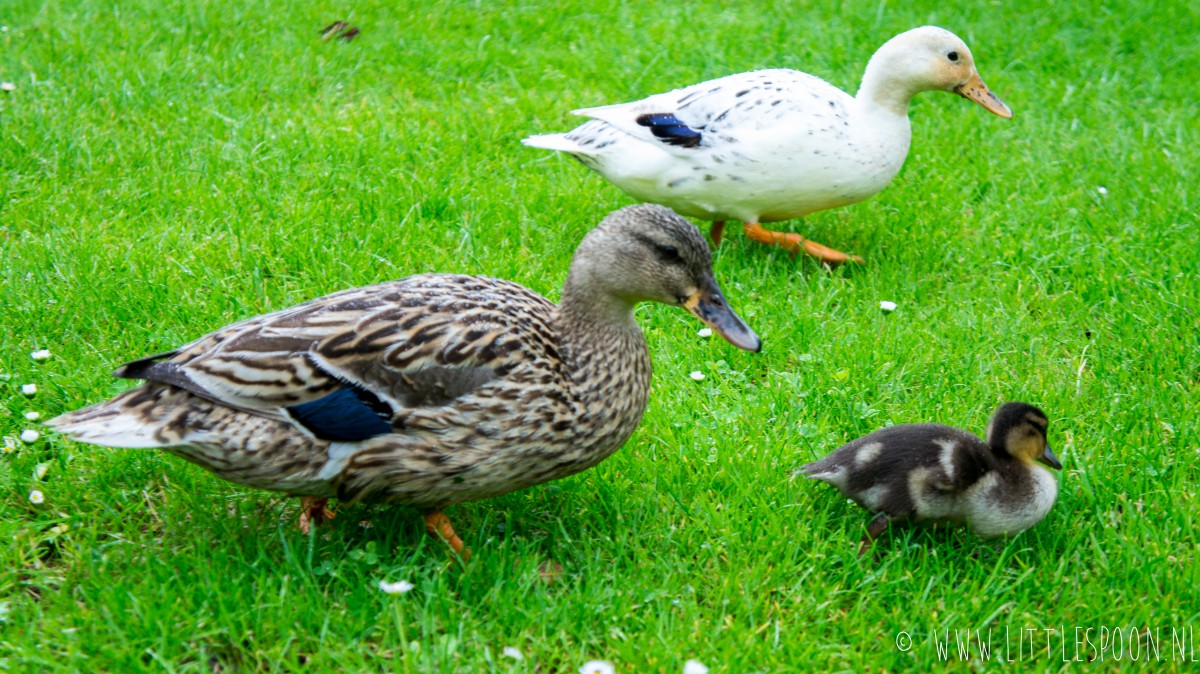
x: 169, y: 167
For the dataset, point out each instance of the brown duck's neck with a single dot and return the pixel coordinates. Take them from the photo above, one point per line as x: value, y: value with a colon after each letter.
x: 604, y: 350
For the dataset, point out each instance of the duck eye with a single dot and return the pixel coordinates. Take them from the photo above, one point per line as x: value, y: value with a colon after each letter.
x: 953, y: 56
x: 668, y: 253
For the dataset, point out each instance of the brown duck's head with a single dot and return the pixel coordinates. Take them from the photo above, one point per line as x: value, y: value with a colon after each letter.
x: 1019, y: 430
x: 648, y: 253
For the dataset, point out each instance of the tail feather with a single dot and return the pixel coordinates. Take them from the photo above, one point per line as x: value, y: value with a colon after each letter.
x: 120, y: 422
x: 818, y: 468
x: 554, y: 141
x: 110, y: 429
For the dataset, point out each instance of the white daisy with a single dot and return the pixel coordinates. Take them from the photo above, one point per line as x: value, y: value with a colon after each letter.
x: 33, y: 416
x: 29, y: 389
x: 40, y: 354
x: 1102, y: 190
x: 36, y: 497
x: 7, y: 86
x: 694, y: 667
x: 597, y: 667
x: 705, y: 332
x: 887, y: 306
x: 697, y: 375
x: 514, y: 653
x: 398, y: 587
x: 30, y: 436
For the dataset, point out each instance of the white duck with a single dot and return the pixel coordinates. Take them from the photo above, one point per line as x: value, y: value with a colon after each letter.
x: 773, y: 145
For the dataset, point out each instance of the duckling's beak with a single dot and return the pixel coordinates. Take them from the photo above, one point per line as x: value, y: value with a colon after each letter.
x: 977, y: 91
x: 709, y: 305
x: 1049, y: 459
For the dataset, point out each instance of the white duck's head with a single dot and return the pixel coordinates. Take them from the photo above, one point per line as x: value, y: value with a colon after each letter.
x: 925, y: 59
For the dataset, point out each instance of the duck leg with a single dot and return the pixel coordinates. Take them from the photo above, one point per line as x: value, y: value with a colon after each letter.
x: 313, y: 511
x: 714, y: 234
x: 874, y: 530
x: 794, y: 243
x: 438, y: 526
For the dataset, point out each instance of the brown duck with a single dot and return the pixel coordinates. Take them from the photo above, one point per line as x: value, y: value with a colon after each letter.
x: 427, y: 391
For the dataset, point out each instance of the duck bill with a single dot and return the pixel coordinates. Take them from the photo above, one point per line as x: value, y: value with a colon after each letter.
x: 977, y: 91
x: 1049, y: 459
x: 710, y: 307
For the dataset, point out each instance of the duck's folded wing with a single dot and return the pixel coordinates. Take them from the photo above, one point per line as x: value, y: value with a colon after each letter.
x: 709, y: 113
x: 956, y: 470
x: 345, y: 365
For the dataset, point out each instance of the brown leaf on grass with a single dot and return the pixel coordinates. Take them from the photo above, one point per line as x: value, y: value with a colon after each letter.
x: 341, y: 30
x: 330, y: 31
x: 550, y: 572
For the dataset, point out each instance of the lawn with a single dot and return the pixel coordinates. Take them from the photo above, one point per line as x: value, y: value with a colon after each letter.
x: 167, y: 167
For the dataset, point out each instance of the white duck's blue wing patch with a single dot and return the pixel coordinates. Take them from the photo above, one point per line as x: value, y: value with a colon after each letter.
x: 670, y: 129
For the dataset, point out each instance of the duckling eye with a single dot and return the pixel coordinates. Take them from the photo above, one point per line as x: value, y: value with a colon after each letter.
x: 953, y: 56
x: 668, y: 253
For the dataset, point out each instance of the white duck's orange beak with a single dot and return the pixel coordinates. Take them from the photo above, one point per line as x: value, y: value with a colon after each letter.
x: 977, y: 91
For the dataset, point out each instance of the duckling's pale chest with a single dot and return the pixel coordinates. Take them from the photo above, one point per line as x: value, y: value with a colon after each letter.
x: 1000, y: 505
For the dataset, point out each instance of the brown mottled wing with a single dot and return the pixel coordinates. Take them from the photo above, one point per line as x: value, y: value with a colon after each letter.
x: 419, y: 341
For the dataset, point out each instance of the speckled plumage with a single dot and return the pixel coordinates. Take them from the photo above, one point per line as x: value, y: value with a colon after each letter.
x: 772, y: 144
x: 487, y: 387
x: 939, y: 474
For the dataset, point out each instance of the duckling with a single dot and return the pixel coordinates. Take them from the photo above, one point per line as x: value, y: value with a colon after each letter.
x: 939, y: 474
x: 428, y: 391
x: 773, y: 145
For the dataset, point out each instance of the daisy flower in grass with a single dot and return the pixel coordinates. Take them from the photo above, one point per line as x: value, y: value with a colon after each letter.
x: 398, y: 587
x: 597, y: 667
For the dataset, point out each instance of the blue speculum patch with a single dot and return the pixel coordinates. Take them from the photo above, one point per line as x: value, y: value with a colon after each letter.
x: 346, y: 415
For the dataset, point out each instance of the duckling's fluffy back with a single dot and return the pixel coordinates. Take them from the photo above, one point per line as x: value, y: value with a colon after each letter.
x: 876, y: 470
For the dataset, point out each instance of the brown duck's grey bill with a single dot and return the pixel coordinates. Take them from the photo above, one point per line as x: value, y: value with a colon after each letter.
x: 709, y: 306
x: 1049, y: 459
x: 977, y: 91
